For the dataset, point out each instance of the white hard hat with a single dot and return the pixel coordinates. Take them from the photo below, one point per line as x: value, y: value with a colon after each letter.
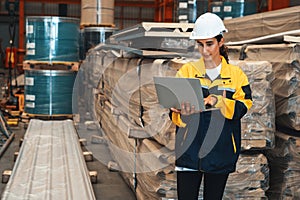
x: 207, y: 26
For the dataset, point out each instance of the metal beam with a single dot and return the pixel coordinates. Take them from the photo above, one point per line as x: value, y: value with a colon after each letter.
x: 21, y: 24
x: 146, y: 4
x: 56, y: 1
x: 164, y: 10
x: 270, y: 5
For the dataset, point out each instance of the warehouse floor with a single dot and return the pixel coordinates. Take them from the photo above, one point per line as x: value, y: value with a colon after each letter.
x: 109, y: 186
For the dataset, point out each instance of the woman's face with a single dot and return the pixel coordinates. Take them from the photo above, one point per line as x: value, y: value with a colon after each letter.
x: 209, y: 49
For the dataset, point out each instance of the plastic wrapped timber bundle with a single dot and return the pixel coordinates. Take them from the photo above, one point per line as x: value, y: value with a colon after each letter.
x: 140, y: 161
x: 281, y: 53
x: 250, y: 181
x: 285, y: 62
x: 132, y: 95
x: 263, y: 24
x: 88, y: 76
x: 288, y: 113
x: 284, y: 59
x: 284, y: 161
x: 140, y: 135
x: 287, y: 78
x: 258, y: 125
x: 288, y: 96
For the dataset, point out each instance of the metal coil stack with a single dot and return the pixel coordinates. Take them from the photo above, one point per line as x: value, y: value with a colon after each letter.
x: 228, y: 9
x: 51, y: 65
x: 188, y: 11
x: 96, y: 25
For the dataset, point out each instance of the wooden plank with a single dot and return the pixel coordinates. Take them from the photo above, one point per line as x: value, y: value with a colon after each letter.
x: 289, y: 38
x: 47, y: 117
x: 82, y: 26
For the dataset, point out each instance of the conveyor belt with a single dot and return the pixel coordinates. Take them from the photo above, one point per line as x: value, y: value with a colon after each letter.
x: 50, y: 165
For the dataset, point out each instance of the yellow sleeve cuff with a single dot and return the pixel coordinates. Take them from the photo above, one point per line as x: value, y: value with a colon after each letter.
x: 226, y: 107
x: 219, y: 103
x: 177, y: 120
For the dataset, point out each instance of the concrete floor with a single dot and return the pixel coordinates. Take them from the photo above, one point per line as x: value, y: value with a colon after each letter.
x: 109, y: 186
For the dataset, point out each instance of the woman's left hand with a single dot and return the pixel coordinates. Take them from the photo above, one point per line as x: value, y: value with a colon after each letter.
x: 211, y: 100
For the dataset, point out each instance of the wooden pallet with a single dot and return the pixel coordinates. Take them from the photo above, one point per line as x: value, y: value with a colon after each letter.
x: 54, y: 65
x: 29, y: 116
x: 82, y: 26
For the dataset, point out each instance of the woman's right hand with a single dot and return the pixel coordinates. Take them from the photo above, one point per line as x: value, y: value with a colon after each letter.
x: 186, y: 109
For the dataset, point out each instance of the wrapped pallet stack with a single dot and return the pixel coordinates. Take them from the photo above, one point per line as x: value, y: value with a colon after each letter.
x: 273, y: 40
x: 258, y: 125
x: 140, y: 133
x: 285, y: 66
x: 251, y: 179
x: 284, y: 162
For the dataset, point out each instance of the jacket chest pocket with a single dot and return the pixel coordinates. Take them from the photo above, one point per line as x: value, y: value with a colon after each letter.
x: 226, y: 88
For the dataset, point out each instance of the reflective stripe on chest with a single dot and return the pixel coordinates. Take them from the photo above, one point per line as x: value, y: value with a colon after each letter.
x: 221, y: 84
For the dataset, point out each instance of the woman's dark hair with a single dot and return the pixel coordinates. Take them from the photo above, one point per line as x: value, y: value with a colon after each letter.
x: 223, y: 48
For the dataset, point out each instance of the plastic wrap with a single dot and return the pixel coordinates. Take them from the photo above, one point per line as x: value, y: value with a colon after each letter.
x: 285, y: 85
x: 263, y: 24
x: 287, y: 78
x: 52, y: 39
x: 49, y: 92
x: 258, y: 125
x: 284, y: 161
x: 273, y: 53
x: 251, y: 179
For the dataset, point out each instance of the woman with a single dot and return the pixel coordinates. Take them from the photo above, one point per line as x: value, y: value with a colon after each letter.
x: 208, y: 143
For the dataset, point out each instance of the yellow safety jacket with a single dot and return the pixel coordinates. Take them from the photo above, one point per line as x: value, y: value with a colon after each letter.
x: 210, y: 141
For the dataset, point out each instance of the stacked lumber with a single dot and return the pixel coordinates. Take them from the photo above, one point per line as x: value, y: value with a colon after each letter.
x: 263, y: 24
x: 87, y: 81
x: 288, y: 95
x: 140, y: 134
x: 284, y: 161
x: 258, y: 125
x: 250, y: 181
x: 286, y: 69
x: 266, y: 40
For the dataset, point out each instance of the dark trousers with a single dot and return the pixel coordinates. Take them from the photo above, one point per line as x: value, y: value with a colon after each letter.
x: 188, y: 184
